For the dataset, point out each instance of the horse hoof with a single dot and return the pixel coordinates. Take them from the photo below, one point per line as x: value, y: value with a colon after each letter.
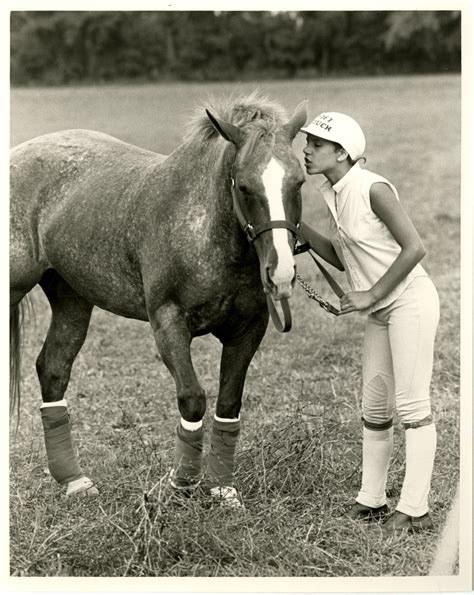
x: 228, y: 497
x: 83, y: 487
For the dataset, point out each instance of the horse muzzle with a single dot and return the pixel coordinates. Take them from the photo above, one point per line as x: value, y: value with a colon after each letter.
x: 278, y: 289
x: 282, y: 291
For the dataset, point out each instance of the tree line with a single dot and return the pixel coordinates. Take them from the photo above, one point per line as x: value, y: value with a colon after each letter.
x: 68, y: 47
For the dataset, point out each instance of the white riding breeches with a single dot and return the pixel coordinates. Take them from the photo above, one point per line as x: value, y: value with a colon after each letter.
x: 398, y: 355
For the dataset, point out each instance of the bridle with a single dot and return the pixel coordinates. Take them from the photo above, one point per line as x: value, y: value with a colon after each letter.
x: 252, y: 232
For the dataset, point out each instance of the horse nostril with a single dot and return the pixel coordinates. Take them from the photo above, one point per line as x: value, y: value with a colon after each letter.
x: 268, y: 278
x: 267, y: 275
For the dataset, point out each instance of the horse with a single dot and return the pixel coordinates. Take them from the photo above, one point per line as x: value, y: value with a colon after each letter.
x: 193, y: 243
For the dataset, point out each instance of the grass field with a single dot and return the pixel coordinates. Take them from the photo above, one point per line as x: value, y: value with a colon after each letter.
x: 300, y: 448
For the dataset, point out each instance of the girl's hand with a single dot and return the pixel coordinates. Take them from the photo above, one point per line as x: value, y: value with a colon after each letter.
x: 354, y: 301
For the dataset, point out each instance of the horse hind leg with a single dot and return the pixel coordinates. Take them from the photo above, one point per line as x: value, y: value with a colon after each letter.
x: 68, y: 329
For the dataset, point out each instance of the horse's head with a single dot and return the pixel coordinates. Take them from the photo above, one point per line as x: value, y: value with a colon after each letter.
x: 266, y: 183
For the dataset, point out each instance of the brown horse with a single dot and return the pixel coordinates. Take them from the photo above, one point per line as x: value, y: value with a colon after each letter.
x: 99, y: 222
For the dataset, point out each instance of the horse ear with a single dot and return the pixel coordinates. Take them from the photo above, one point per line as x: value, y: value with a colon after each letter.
x: 227, y: 130
x: 297, y: 120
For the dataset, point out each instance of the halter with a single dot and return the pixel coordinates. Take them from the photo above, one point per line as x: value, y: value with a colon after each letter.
x: 252, y: 232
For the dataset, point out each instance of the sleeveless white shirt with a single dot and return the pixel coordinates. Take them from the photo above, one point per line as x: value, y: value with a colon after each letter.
x: 360, y: 238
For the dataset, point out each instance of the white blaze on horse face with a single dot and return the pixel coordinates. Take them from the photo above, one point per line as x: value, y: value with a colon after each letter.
x: 273, y: 183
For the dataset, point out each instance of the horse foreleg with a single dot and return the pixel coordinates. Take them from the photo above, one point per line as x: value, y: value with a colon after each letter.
x: 67, y: 332
x: 173, y: 341
x: 236, y: 358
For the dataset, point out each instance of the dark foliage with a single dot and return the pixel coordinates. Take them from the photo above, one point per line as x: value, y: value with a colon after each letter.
x: 61, y: 47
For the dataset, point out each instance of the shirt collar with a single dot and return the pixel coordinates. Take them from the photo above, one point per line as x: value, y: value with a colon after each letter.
x: 326, y: 185
x: 347, y: 178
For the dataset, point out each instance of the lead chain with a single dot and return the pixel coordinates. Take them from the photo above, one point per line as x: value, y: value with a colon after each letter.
x: 311, y: 293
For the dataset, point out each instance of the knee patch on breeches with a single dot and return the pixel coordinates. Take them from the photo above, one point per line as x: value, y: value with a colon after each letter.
x: 224, y: 439
x: 377, y: 400
x: 62, y: 461
x: 376, y: 388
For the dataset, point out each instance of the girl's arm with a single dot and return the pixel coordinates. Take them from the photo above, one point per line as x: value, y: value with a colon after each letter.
x: 386, y: 206
x: 321, y: 245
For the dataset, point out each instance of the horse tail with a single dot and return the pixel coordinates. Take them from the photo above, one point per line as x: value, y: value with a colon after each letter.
x: 17, y: 319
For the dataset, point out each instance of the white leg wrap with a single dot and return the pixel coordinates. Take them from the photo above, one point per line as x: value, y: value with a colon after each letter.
x: 191, y: 426
x: 61, y: 403
x: 226, y: 420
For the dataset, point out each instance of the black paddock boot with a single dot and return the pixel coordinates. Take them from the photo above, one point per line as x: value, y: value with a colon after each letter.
x: 367, y: 514
x: 398, y: 522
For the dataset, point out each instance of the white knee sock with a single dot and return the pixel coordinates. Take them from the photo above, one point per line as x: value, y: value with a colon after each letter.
x: 420, y: 444
x: 377, y: 449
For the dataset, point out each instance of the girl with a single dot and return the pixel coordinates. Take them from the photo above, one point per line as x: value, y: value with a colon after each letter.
x: 374, y: 241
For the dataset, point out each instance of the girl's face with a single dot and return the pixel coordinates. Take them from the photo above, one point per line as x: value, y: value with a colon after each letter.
x: 321, y: 156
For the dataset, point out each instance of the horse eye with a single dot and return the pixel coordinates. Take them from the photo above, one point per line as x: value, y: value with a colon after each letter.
x: 243, y: 188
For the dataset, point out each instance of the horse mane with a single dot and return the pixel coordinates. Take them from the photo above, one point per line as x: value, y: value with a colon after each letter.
x: 239, y: 110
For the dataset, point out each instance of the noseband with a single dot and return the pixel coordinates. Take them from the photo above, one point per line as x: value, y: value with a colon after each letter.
x: 252, y: 232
